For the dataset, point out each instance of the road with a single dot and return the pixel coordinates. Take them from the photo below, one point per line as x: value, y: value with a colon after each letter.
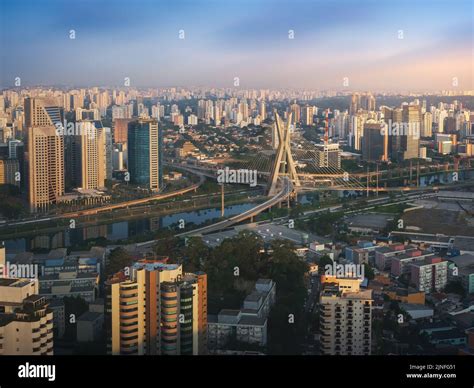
x: 115, y: 206
x: 287, y: 188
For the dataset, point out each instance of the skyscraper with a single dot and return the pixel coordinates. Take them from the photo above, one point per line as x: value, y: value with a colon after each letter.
x: 145, y: 149
x: 308, y: 115
x: 92, y: 156
x: 427, y: 125
x: 45, y: 161
x: 410, y: 139
x: 355, y: 104
x: 295, y: 109
x: 45, y: 153
x: 156, y: 309
x: 263, y: 110
x: 373, y: 141
x: 367, y: 102
x: 42, y: 112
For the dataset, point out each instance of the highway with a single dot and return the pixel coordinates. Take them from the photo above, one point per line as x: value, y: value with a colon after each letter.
x: 287, y: 188
x: 111, y: 207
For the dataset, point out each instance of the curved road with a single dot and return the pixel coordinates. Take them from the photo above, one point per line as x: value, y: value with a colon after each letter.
x: 287, y: 188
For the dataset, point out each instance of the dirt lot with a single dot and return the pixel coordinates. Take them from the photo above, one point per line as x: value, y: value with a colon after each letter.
x: 440, y: 221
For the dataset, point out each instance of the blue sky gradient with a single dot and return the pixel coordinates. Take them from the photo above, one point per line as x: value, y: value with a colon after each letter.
x: 248, y: 39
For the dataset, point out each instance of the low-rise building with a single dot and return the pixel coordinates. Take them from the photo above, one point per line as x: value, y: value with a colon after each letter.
x: 404, y: 295
x: 247, y: 325
x: 90, y: 326
x: 400, y: 264
x: 417, y: 311
x: 384, y: 255
x: 70, y: 283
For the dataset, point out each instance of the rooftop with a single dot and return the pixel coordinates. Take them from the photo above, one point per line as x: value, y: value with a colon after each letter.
x: 89, y: 316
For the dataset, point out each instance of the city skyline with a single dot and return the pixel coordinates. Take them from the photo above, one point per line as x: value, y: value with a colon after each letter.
x: 248, y: 40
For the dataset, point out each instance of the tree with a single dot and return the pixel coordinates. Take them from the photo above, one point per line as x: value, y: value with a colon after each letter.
x: 117, y: 260
x: 369, y: 272
x: 287, y: 320
x: 168, y: 246
x: 196, y: 254
x: 323, y: 261
x: 455, y: 287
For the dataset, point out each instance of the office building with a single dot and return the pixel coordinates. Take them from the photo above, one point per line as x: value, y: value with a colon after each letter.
x: 374, y: 142
x: 407, y: 143
x: 328, y: 156
x: 145, y: 149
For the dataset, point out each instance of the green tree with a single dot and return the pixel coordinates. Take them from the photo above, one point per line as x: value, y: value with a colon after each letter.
x: 323, y: 261
x: 117, y: 260
x: 196, y: 254
x: 369, y: 272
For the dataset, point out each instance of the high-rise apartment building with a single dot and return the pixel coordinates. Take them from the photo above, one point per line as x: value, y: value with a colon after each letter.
x: 262, y: 110
x: 367, y: 102
x: 295, y: 109
x: 345, y: 318
x: 308, y: 114
x: 26, y: 321
x: 355, y: 104
x: 427, y: 127
x: 156, y: 309
x: 145, y: 150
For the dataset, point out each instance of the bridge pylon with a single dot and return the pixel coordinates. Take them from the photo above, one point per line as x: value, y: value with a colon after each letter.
x: 284, y: 164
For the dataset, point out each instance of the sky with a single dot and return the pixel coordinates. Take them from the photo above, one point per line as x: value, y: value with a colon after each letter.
x: 357, y: 41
